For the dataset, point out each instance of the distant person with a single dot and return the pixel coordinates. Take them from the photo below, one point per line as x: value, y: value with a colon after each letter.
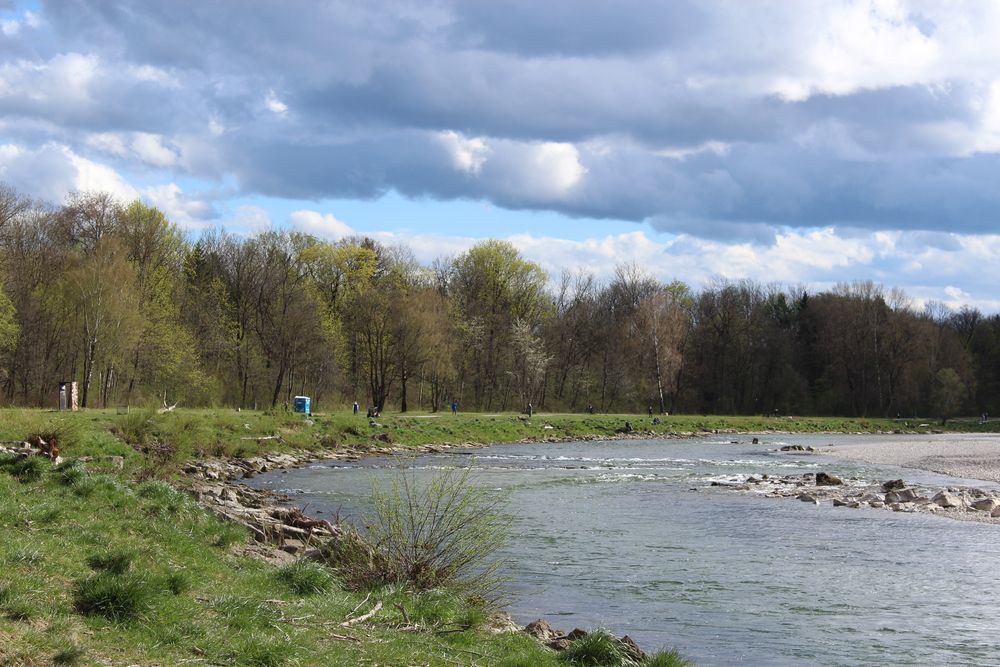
x: 454, y: 407
x: 650, y: 409
x: 590, y: 408
x: 356, y: 408
x: 530, y: 410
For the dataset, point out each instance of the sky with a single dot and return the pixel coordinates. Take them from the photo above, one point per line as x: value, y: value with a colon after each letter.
x: 804, y: 143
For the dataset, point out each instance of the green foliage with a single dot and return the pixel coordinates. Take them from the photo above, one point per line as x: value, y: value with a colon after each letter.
x: 122, y: 598
x: 305, y: 578
x: 116, y: 562
x: 949, y: 390
x: 442, y: 533
x: 137, y: 427
x: 24, y: 469
x: 597, y: 649
x: 667, y: 658
x: 69, y: 473
x: 70, y: 655
x: 9, y: 327
x: 261, y: 652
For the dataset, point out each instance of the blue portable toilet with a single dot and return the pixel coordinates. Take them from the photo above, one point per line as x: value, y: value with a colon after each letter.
x: 302, y: 404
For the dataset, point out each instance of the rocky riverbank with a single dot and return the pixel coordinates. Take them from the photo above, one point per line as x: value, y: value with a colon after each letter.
x: 963, y: 503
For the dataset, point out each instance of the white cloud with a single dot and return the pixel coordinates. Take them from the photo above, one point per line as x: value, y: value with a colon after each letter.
x: 63, y: 79
x: 323, y: 226
x: 150, y: 149
x: 186, y: 211
x: 468, y: 155
x: 249, y: 219
x: 274, y: 105
x: 53, y: 170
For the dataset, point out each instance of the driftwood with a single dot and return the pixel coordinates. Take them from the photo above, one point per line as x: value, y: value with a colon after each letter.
x: 364, y: 617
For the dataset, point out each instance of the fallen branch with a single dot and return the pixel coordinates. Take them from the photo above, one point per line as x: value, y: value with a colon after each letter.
x: 402, y: 610
x: 360, y: 604
x: 344, y: 638
x: 364, y: 617
x: 262, y: 437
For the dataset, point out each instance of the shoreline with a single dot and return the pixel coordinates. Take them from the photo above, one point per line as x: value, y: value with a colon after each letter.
x: 283, y: 533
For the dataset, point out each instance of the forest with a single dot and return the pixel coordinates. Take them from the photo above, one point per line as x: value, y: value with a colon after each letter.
x: 112, y: 295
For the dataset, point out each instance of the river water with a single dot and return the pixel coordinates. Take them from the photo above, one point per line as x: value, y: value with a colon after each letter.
x: 630, y: 535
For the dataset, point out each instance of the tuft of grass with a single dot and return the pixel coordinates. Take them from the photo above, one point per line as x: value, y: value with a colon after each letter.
x: 246, y: 614
x: 164, y: 500
x: 261, y: 652
x: 598, y: 649
x: 121, y: 598
x: 115, y: 562
x: 25, y: 556
x: 24, y: 469
x: 137, y: 428
x: 70, y: 655
x: 305, y: 578
x: 13, y: 604
x: 69, y: 473
x: 177, y: 582
x: 667, y: 658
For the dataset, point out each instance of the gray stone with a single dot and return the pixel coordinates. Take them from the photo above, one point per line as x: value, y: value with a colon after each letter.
x: 825, y: 479
x: 945, y: 499
x: 541, y: 629
x: 893, y: 485
x: 901, y: 496
x: 806, y: 498
x: 986, y: 505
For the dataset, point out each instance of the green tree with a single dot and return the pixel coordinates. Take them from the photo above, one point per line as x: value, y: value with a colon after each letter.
x: 494, y: 287
x: 949, y: 391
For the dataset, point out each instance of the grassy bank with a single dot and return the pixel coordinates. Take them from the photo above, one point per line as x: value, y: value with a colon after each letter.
x: 97, y: 570
x: 155, y: 445
x: 107, y: 564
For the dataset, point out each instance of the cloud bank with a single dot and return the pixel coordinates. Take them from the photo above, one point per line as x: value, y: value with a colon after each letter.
x: 755, y: 130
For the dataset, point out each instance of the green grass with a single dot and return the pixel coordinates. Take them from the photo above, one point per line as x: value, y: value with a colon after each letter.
x: 131, y: 572
x: 157, y: 446
x: 107, y: 563
x: 597, y: 649
x: 304, y: 578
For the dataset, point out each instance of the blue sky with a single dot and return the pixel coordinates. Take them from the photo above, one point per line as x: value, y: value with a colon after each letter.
x: 801, y: 143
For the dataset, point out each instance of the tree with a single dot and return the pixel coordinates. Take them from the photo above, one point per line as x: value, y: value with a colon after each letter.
x: 9, y: 328
x: 99, y: 292
x: 494, y: 287
x: 949, y: 390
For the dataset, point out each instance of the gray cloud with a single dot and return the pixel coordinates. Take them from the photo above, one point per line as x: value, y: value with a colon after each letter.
x: 713, y: 119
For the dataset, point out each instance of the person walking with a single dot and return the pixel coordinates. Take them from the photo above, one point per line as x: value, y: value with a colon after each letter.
x: 530, y: 410
x: 356, y: 408
x: 454, y: 407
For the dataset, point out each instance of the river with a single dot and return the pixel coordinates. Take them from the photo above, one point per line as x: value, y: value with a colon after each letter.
x: 630, y: 535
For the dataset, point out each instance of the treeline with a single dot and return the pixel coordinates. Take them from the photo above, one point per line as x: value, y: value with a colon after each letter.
x: 114, y: 296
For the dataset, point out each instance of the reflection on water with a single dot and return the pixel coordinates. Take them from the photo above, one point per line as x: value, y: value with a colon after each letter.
x: 630, y: 536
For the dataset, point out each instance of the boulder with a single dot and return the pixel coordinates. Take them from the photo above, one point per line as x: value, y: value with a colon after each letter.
x: 825, y: 479
x: 893, y: 485
x: 576, y: 633
x: 806, y: 498
x: 560, y: 644
x: 995, y: 513
x: 901, y: 496
x: 837, y: 502
x: 945, y: 499
x: 986, y: 505
x: 541, y: 629
x: 633, y: 650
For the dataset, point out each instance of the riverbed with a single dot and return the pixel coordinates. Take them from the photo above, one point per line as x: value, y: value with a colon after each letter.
x: 632, y: 536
